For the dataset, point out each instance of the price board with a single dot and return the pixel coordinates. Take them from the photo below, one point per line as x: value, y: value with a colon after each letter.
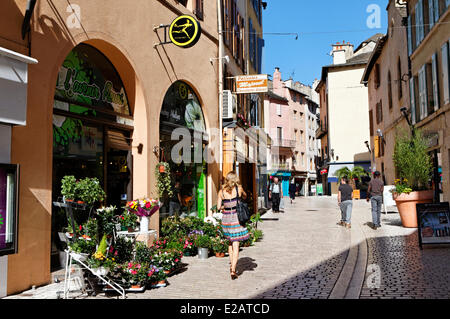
x: 433, y: 223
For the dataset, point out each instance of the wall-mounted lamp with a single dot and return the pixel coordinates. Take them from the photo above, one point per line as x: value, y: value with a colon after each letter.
x: 226, y: 58
x: 368, y: 146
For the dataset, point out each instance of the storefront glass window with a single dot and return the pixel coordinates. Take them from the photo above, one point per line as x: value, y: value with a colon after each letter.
x: 181, y: 108
x: 8, y: 209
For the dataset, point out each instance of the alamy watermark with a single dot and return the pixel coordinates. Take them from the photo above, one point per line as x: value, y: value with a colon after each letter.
x: 373, y: 280
x: 73, y: 21
x: 374, y: 19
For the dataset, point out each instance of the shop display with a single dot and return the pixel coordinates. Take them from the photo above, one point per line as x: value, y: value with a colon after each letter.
x: 8, y: 208
x: 434, y: 223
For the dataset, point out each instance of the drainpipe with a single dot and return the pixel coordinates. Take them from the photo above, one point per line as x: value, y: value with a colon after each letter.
x: 219, y: 13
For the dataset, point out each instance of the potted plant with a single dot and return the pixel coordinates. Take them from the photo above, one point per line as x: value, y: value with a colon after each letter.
x: 157, y: 277
x: 414, y: 166
x: 203, y: 243
x: 143, y: 208
x: 68, y: 188
x: 219, y: 246
x: 128, y: 221
x: 89, y: 191
x: 137, y: 274
x: 99, y: 262
x: 81, y: 248
x: 353, y: 175
x: 163, y: 180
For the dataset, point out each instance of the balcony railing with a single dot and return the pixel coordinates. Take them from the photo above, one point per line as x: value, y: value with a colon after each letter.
x: 321, y: 131
x: 283, y: 143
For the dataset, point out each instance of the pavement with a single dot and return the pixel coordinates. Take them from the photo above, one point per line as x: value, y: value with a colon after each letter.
x: 304, y: 254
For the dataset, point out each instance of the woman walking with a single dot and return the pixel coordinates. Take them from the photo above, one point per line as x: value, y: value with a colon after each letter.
x: 230, y: 193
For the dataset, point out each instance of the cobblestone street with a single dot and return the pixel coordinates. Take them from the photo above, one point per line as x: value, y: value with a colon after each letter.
x: 305, y: 254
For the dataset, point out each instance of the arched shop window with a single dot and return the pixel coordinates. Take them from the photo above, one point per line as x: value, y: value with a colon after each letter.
x: 181, y: 109
x: 92, y: 127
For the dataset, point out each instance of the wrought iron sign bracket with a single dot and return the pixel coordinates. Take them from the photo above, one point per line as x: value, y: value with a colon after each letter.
x: 166, y: 38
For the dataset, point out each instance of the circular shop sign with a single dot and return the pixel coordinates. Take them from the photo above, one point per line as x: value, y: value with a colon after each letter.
x: 185, y: 31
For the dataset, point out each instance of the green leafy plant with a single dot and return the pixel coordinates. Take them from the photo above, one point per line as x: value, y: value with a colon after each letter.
x: 412, y: 161
x: 68, y: 187
x: 106, y: 220
x: 122, y: 249
x: 401, y: 186
x: 128, y: 220
x: 81, y: 245
x: 163, y: 180
x: 90, y: 191
x: 1, y: 220
x: 219, y: 245
x: 203, y: 241
x: 143, y: 254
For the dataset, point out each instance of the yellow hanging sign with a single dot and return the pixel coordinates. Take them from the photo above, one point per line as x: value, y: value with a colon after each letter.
x: 185, y: 31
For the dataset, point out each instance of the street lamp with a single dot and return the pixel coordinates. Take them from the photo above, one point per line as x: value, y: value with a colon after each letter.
x: 404, y: 111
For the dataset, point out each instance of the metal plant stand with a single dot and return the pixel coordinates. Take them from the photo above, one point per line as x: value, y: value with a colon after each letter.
x: 108, y: 281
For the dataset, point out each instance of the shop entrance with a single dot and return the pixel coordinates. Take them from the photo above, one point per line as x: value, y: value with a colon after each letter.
x: 181, y: 109
x: 92, y: 129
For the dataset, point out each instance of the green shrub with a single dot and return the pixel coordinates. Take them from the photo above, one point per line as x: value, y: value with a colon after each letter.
x: 412, y: 161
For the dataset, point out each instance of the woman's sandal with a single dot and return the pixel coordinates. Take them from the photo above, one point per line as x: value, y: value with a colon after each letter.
x: 233, y: 275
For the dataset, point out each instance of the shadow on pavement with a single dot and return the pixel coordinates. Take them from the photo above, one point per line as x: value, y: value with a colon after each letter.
x: 245, y: 264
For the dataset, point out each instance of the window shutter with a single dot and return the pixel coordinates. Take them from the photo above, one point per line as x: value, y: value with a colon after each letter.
x: 409, y: 36
x: 423, y: 92
x: 260, y: 53
x: 279, y: 109
x: 431, y: 11
x: 445, y: 71
x: 436, y: 10
x: 413, y: 100
x: 376, y: 146
x: 434, y: 70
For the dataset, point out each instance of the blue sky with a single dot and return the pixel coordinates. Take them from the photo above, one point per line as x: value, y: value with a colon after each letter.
x: 322, y: 23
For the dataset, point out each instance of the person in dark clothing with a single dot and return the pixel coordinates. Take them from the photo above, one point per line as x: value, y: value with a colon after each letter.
x: 292, y: 189
x: 375, y: 191
x: 275, y: 194
x: 175, y: 200
x: 345, y: 202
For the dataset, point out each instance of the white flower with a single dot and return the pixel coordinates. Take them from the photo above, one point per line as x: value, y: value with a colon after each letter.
x: 210, y: 220
x: 218, y: 216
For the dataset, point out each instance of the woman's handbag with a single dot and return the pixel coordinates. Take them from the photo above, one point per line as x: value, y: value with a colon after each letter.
x: 242, y: 210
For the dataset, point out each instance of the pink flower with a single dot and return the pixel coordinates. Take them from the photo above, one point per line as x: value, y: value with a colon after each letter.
x: 133, y: 272
x: 176, y: 260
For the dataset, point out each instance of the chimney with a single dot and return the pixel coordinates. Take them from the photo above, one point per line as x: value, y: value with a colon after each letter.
x: 342, y: 52
x: 277, y: 80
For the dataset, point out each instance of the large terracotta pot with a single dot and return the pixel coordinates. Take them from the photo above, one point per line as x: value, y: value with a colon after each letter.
x: 406, y: 204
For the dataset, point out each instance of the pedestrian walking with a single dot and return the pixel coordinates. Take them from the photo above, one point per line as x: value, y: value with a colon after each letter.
x: 292, y: 189
x: 345, y: 202
x: 228, y: 196
x: 275, y: 194
x: 375, y: 195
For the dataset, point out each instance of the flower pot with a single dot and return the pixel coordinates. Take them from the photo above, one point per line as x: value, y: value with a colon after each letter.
x: 130, y: 229
x: 220, y: 255
x: 162, y: 169
x: 203, y: 253
x: 136, y: 286
x: 100, y: 271
x: 167, y: 272
x: 144, y: 224
x: 80, y: 256
x: 406, y: 204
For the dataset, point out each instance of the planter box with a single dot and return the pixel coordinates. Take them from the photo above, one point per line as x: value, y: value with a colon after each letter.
x: 406, y: 204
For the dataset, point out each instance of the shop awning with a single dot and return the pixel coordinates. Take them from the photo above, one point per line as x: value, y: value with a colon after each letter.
x: 13, y: 86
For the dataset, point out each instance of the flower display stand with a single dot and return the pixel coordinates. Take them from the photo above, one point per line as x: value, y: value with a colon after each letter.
x: 103, y: 278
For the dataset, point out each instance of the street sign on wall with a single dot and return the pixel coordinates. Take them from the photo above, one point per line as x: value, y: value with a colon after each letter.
x: 251, y: 84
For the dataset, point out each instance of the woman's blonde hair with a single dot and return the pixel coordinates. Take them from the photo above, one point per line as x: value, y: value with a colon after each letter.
x: 231, y: 181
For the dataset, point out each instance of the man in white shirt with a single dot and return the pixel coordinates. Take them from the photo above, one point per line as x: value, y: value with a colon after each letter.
x: 275, y: 194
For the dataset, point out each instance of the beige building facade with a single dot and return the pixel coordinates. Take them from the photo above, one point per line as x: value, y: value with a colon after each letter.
x: 386, y: 77
x: 428, y: 37
x: 122, y: 36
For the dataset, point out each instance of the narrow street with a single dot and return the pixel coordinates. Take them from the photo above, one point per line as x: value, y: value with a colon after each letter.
x: 305, y: 254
